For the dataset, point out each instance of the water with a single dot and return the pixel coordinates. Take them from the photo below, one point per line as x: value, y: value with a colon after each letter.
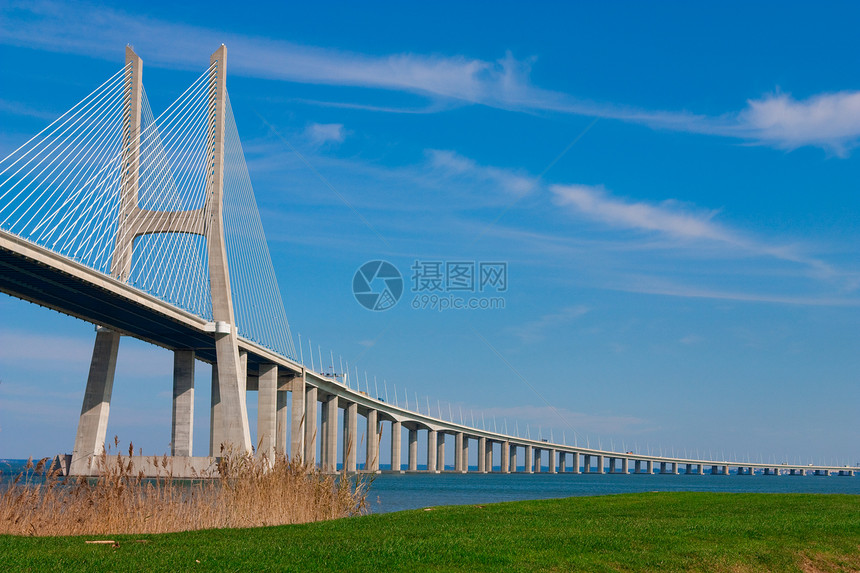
x: 396, y: 492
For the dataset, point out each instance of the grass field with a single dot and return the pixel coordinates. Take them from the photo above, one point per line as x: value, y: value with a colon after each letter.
x: 631, y: 532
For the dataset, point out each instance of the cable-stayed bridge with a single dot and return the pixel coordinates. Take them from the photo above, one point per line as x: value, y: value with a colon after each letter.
x: 147, y: 227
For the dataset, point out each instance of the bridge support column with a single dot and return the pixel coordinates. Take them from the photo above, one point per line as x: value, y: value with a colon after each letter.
x: 92, y: 426
x: 396, y: 435
x: 267, y: 407
x: 612, y: 464
x: 562, y: 460
x: 440, y: 452
x: 482, y: 455
x: 216, y: 431
x: 675, y: 468
x: 350, y: 437
x: 600, y: 468
x: 649, y: 467
x: 281, y: 416
x: 574, y: 467
x: 505, y: 457
x: 552, y: 461
x: 489, y: 463
x: 329, y: 434
x: 182, y: 436
x: 625, y: 466
x: 513, y: 458
x: 726, y: 470
x: 464, y: 465
x: 529, y: 466
x: 372, y: 454
x: 432, y: 444
x: 310, y: 425
x: 458, y: 452
x: 298, y: 418
x: 538, y: 454
x: 637, y: 466
x: 413, y: 450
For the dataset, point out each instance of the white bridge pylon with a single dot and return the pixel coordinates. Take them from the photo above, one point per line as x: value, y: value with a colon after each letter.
x: 162, y: 204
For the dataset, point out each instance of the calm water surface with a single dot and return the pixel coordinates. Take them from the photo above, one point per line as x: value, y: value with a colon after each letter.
x: 393, y: 492
x: 396, y: 492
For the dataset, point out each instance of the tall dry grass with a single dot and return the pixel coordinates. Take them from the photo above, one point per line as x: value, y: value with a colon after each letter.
x: 247, y: 491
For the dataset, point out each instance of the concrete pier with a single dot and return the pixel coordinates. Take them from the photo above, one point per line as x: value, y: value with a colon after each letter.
x: 267, y: 409
x: 182, y: 436
x: 440, y: 452
x: 311, y: 425
x: 413, y: 450
x: 350, y: 437
x: 505, y: 455
x: 92, y: 426
x: 574, y: 467
x: 482, y: 455
x: 329, y: 434
x: 372, y: 435
x: 432, y: 444
x: 297, y: 418
x: 396, y: 436
x: 281, y: 415
x: 552, y: 461
x: 513, y: 458
x: 529, y: 466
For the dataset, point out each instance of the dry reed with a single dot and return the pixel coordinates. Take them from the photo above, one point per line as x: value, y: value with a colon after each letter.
x: 247, y: 491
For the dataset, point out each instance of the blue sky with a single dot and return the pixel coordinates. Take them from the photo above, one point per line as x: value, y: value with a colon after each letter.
x: 672, y: 186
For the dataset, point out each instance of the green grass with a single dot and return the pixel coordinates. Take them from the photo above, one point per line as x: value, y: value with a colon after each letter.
x: 635, y: 532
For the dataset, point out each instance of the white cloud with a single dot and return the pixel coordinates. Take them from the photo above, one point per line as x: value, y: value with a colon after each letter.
x: 536, y: 330
x: 597, y: 204
x: 507, y: 180
x: 828, y: 120
x: 321, y: 133
x: 683, y: 225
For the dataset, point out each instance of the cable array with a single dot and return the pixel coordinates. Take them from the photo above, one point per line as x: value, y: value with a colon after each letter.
x: 173, y: 170
x: 257, y: 303
x: 87, y: 187
x: 60, y: 189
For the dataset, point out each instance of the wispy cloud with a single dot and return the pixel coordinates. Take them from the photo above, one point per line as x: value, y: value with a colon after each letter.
x: 322, y: 133
x: 537, y: 330
x: 827, y: 120
x: 453, y: 164
x: 672, y: 219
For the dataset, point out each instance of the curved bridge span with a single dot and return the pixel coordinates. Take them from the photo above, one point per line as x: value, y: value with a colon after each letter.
x: 124, y: 245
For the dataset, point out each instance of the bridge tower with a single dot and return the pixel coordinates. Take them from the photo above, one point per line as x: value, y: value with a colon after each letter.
x: 229, y: 420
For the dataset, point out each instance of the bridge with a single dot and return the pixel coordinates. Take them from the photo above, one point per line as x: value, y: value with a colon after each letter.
x: 147, y: 227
